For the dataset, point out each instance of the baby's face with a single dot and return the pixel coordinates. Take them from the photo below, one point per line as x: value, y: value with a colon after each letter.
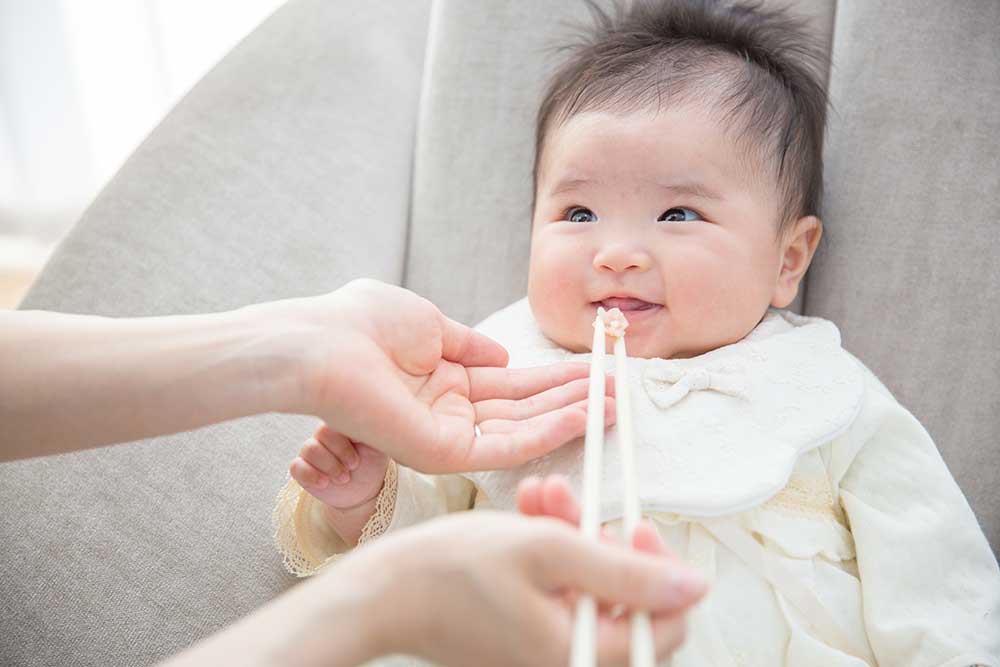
x: 654, y: 214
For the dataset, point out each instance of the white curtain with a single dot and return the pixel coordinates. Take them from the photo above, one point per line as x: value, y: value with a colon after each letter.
x: 82, y: 82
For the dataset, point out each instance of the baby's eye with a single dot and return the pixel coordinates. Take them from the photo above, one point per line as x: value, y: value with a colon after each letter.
x: 679, y: 214
x: 579, y: 214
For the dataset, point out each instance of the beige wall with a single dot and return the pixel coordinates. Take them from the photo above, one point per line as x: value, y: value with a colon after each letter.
x: 13, y: 285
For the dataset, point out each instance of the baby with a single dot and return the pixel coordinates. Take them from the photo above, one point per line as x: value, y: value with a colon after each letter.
x: 678, y: 177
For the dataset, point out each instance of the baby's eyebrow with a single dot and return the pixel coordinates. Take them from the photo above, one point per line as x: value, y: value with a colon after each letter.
x: 692, y: 189
x: 571, y: 184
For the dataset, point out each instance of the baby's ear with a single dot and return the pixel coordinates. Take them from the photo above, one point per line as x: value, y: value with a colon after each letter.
x: 798, y: 245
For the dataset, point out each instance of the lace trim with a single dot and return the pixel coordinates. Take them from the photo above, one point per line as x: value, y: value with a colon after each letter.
x: 293, y: 534
x: 807, y: 496
x: 293, y: 556
x: 385, y: 507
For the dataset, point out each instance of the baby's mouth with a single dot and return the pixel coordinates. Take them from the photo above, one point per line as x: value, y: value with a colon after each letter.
x: 626, y: 304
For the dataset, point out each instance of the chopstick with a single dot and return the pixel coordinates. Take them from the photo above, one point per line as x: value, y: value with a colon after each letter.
x: 641, y: 653
x: 584, y: 649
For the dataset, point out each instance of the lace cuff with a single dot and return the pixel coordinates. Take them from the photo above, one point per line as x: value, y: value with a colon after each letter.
x: 385, y: 506
x: 306, y: 542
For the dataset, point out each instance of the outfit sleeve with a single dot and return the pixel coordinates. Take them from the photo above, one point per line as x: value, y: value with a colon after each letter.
x: 307, y: 542
x: 930, y: 582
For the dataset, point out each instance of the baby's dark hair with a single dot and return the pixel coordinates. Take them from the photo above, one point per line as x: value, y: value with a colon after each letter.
x: 758, y: 71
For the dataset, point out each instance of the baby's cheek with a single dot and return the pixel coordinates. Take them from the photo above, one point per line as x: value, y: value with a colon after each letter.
x: 562, y: 331
x: 546, y: 306
x: 565, y: 284
x: 556, y: 285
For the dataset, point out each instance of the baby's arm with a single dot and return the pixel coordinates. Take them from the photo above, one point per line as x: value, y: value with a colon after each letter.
x: 321, y: 512
x: 930, y: 583
x: 345, y: 476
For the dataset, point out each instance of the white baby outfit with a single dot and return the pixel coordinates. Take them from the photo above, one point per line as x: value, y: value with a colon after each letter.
x: 817, y: 506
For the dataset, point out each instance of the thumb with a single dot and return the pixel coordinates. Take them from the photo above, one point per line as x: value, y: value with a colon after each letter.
x: 468, y: 347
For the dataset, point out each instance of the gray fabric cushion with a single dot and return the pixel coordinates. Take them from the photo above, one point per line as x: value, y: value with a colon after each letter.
x: 909, y: 270
x: 285, y: 172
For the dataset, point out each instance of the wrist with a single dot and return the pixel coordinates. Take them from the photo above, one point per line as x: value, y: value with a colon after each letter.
x: 391, y: 603
x: 335, y: 619
x: 349, y: 522
x: 304, y: 354
x: 277, y: 343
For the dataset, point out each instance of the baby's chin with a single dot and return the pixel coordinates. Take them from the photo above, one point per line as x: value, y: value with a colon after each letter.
x: 637, y: 346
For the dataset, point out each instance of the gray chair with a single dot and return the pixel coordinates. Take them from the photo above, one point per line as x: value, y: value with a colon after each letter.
x: 393, y: 140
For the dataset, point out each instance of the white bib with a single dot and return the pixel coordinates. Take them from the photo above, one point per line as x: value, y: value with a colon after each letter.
x: 715, y: 434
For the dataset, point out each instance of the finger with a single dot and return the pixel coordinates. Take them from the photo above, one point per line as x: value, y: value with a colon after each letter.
x: 339, y: 445
x: 614, y: 637
x: 518, y: 383
x: 615, y: 575
x: 321, y: 458
x: 553, y: 497
x: 669, y: 632
x: 307, y: 475
x: 515, y: 426
x: 558, y: 500
x: 504, y: 444
x: 647, y: 538
x: 468, y: 347
x: 532, y: 406
x: 529, y: 499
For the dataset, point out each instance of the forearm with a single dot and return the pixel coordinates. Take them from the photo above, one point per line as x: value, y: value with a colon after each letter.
x: 75, y: 381
x: 331, y: 620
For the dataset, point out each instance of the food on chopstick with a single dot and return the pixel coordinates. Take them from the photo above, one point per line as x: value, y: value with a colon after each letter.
x: 614, y: 320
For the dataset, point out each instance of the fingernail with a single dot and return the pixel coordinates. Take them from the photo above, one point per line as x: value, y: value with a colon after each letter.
x: 690, y: 585
x: 353, y: 463
x: 343, y: 478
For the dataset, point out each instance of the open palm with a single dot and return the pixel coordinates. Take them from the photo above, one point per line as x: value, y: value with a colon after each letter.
x: 344, y: 473
x: 403, y: 378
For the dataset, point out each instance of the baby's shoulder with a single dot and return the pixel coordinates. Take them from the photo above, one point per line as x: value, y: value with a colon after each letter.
x: 872, y: 382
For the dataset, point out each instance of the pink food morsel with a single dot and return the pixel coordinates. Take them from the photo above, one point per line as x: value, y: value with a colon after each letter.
x: 614, y: 321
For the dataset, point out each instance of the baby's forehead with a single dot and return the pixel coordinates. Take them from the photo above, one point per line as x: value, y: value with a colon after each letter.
x: 680, y: 145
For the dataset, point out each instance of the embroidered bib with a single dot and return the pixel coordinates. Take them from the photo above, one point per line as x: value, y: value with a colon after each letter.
x: 715, y: 434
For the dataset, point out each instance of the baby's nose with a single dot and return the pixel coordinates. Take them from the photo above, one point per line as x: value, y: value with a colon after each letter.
x: 621, y: 257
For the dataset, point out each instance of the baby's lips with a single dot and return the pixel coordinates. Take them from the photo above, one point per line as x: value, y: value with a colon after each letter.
x: 626, y: 303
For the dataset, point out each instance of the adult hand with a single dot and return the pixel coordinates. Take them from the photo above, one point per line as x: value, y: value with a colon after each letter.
x: 385, y: 367
x: 378, y: 363
x: 477, y: 588
x: 552, y: 496
x: 491, y: 589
